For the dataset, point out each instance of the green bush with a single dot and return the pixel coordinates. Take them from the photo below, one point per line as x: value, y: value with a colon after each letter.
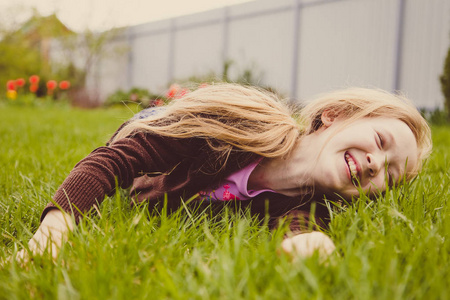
x: 139, y: 96
x: 179, y: 87
x: 445, y: 84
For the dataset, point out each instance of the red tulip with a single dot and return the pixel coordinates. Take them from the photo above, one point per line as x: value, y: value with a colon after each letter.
x: 64, y: 85
x: 34, y: 87
x: 34, y: 79
x: 11, y: 85
x: 182, y: 93
x: 20, y: 82
x: 51, y: 85
x: 173, y: 90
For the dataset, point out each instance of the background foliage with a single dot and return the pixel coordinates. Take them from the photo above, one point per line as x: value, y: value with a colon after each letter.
x: 25, y: 50
x: 445, y: 84
x: 45, y: 47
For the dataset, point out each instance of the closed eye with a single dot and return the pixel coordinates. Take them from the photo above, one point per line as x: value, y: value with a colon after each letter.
x: 380, y: 141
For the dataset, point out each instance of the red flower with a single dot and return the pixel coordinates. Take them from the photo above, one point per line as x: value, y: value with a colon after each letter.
x: 159, y: 102
x: 34, y: 87
x: 173, y: 90
x: 11, y: 85
x: 64, y: 85
x: 51, y: 84
x: 34, y: 79
x: 20, y: 82
x: 182, y: 93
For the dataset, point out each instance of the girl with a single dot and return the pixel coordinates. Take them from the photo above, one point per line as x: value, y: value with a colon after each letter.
x: 227, y: 142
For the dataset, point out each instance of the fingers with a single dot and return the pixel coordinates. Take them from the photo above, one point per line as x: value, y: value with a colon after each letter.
x: 44, y: 240
x: 49, y: 238
x: 23, y: 258
x: 50, y: 235
x: 306, y: 244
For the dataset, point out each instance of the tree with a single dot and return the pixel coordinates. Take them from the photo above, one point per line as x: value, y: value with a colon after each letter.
x: 445, y: 84
x: 78, y: 55
x: 25, y: 48
x: 43, y: 45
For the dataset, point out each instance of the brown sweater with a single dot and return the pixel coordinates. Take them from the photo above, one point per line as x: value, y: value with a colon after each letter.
x: 154, y: 166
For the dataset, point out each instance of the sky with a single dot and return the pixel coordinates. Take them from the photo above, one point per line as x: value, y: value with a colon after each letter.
x: 98, y: 15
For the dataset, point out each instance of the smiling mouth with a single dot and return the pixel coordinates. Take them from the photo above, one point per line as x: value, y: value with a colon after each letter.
x: 353, y: 168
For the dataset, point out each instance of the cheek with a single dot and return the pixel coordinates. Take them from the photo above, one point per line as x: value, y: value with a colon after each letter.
x: 377, y: 184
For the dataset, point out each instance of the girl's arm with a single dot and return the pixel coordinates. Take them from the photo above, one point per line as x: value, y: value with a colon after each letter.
x: 50, y: 235
x: 117, y: 165
x: 97, y: 176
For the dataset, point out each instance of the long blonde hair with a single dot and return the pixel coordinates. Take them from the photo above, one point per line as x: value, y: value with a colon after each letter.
x: 228, y: 116
x: 231, y: 116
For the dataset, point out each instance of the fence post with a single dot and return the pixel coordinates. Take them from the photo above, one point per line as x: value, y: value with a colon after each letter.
x: 398, y: 45
x: 130, y: 38
x: 295, y: 50
x: 171, y: 63
x: 225, y: 32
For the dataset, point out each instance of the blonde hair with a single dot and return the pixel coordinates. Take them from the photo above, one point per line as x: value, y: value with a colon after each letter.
x: 357, y: 103
x: 228, y: 116
x: 231, y: 116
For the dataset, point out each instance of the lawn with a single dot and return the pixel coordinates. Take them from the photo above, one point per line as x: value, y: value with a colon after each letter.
x: 397, y: 247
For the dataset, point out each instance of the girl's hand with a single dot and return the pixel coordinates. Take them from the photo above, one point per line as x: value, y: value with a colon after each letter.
x: 306, y: 244
x: 49, y: 236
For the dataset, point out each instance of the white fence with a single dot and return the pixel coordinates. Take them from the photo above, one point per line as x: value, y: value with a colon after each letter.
x: 299, y: 47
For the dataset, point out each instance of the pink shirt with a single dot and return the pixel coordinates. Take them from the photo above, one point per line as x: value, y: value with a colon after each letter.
x: 234, y: 187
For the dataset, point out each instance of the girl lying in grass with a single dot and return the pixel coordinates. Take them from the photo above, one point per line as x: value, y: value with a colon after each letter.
x: 227, y: 142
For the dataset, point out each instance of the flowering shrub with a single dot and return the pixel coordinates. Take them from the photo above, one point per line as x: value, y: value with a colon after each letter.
x: 176, y: 91
x: 14, y: 87
x: 10, y: 85
x: 172, y: 91
x: 20, y: 82
x: 144, y: 98
x: 34, y: 79
x: 64, y: 85
x: 135, y: 95
x: 51, y: 86
x: 11, y: 94
x: 34, y: 88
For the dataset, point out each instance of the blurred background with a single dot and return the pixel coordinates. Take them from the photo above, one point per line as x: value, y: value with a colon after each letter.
x: 112, y: 51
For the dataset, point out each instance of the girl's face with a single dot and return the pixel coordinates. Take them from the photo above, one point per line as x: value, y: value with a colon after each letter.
x: 362, y: 153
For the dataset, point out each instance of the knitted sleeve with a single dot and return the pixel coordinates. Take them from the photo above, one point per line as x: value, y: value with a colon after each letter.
x: 95, y: 176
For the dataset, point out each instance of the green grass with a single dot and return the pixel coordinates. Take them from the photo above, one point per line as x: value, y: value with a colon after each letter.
x: 394, y: 248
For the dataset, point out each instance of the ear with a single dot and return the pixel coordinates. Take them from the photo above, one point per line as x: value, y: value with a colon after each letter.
x: 328, y: 117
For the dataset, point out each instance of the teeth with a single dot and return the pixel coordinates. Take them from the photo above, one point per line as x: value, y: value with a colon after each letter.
x: 352, y: 165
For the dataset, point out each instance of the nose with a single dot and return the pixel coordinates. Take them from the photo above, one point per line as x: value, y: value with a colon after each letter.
x: 374, y: 164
